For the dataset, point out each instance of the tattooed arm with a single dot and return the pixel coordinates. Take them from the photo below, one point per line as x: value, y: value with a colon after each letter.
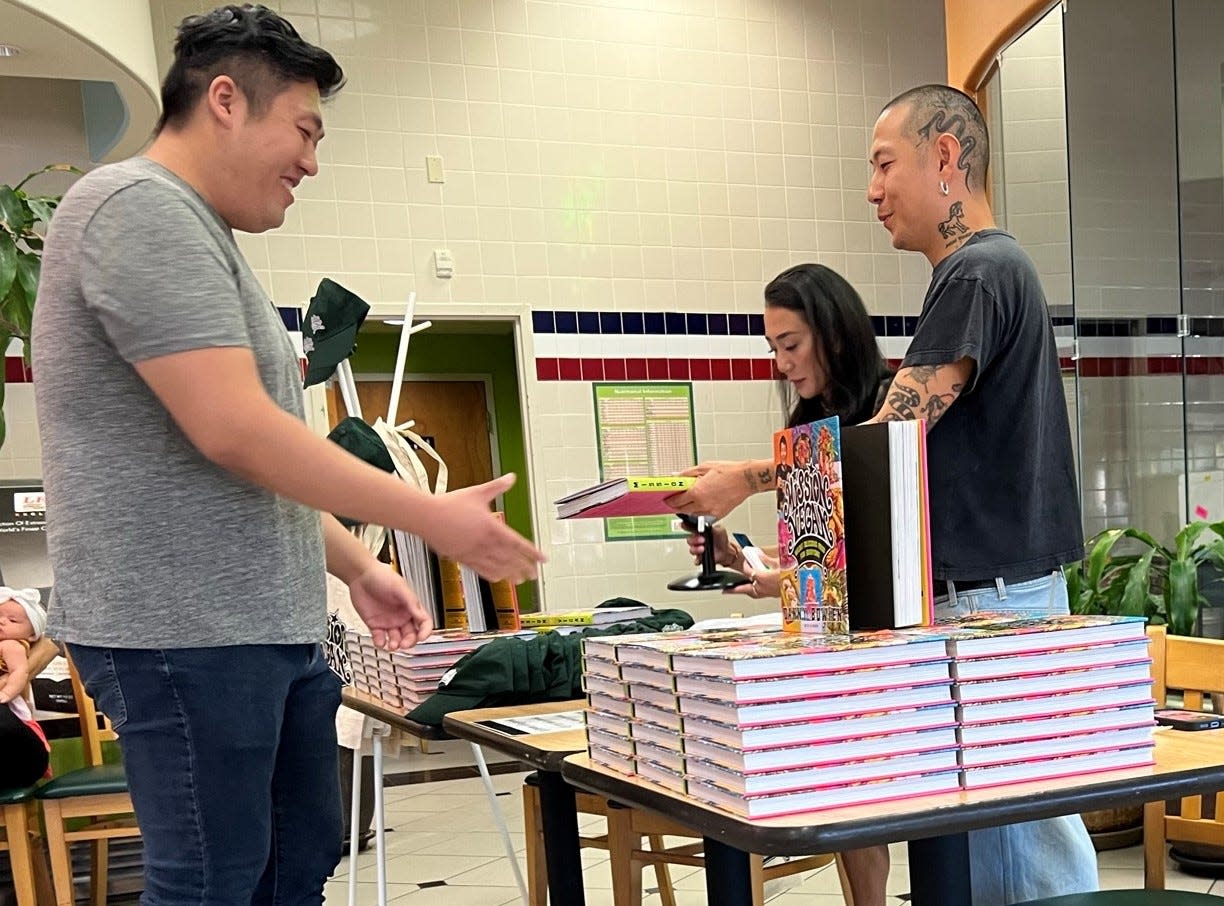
x: 925, y: 391
x: 721, y: 486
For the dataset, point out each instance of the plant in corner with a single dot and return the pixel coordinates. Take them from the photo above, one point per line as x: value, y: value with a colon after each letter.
x: 1160, y: 582
x: 23, y: 220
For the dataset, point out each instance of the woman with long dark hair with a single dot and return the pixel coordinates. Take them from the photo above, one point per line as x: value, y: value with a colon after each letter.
x: 828, y: 362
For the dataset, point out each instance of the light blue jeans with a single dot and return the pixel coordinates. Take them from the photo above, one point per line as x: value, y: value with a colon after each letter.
x: 1036, y: 859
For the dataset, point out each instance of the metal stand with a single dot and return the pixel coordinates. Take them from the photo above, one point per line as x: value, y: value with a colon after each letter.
x: 711, y: 577
x: 500, y: 821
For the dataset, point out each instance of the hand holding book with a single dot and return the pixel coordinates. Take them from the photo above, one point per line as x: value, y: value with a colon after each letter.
x: 722, y: 485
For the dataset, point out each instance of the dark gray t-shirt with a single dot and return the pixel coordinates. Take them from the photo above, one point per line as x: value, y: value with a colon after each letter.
x: 152, y: 545
x: 1000, y: 465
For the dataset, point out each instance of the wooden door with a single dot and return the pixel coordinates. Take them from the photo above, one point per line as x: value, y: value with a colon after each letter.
x: 454, y: 414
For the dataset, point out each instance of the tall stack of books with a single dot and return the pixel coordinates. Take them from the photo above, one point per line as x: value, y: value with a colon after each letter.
x: 1042, y: 698
x: 769, y: 723
x: 404, y: 679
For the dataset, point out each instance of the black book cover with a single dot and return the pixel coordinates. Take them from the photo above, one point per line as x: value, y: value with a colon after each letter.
x: 868, y: 510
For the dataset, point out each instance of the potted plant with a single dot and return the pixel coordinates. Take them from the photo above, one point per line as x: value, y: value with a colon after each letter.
x: 23, y: 220
x: 1163, y: 583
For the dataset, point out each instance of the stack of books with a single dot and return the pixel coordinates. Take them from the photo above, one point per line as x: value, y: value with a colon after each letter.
x: 772, y: 723
x: 1042, y: 698
x: 767, y: 723
x: 404, y: 679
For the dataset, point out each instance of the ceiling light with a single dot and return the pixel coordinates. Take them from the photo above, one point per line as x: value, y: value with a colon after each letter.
x: 9, y: 50
x: 394, y: 322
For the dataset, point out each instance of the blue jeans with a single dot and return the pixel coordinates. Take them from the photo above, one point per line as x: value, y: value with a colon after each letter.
x: 1035, y: 859
x: 231, y: 760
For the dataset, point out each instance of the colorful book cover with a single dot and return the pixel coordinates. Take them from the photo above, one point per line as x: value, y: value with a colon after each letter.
x: 811, y: 529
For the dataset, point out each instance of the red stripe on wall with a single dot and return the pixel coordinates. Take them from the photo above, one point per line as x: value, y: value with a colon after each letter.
x: 680, y: 369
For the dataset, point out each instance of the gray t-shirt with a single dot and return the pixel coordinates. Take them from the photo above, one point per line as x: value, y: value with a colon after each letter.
x: 152, y: 545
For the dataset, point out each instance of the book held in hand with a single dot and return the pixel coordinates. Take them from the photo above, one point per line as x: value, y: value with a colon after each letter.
x: 633, y: 495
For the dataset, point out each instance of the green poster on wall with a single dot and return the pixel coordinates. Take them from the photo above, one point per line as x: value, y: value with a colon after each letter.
x: 644, y: 429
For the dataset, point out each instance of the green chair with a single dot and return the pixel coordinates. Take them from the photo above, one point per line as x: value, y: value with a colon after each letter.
x: 1129, y: 898
x: 91, y: 803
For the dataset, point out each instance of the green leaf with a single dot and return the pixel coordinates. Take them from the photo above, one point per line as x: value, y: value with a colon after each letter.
x: 50, y: 168
x: 41, y: 208
x: 1148, y: 540
x: 29, y: 267
x: 17, y: 310
x: 1098, y: 555
x: 1138, y: 583
x: 12, y: 211
x: 1184, y: 542
x: 1181, y: 596
x: 1074, y: 574
x: 8, y: 264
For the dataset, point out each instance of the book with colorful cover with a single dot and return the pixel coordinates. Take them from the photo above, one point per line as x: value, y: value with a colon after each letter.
x: 1062, y: 681
x: 1040, y: 663
x: 991, y: 634
x: 820, y: 753
x: 1032, y: 728
x: 815, y: 707
x: 779, y: 654
x: 783, y: 688
x: 808, y: 732
x: 836, y: 774
x: 1045, y: 704
x: 633, y: 495
x: 868, y: 792
x: 1057, y: 767
x: 655, y: 649
x: 811, y: 529
x: 1055, y: 747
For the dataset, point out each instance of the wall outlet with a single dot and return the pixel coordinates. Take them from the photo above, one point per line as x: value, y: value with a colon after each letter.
x: 433, y: 168
x: 444, y: 264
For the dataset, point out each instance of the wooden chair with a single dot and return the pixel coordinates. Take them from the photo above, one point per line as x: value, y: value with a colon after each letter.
x: 1195, y: 667
x: 97, y: 794
x: 623, y: 841
x: 19, y: 821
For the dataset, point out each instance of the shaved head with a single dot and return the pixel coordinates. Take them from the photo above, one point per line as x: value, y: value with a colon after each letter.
x: 933, y: 110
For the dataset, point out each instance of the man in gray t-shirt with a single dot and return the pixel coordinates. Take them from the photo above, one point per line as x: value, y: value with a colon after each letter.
x: 185, y: 491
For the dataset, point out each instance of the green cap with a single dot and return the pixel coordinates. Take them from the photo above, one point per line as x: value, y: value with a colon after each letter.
x: 329, y: 329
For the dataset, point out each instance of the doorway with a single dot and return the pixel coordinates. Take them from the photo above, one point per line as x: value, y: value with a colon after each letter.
x: 463, y: 389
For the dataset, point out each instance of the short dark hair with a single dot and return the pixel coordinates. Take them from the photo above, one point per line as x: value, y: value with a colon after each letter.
x: 840, y: 327
x: 935, y: 109
x: 255, y: 47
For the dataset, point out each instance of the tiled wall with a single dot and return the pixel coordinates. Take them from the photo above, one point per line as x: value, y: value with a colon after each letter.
x: 603, y: 157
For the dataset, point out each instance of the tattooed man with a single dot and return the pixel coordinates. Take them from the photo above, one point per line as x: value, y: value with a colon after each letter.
x: 983, y: 371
